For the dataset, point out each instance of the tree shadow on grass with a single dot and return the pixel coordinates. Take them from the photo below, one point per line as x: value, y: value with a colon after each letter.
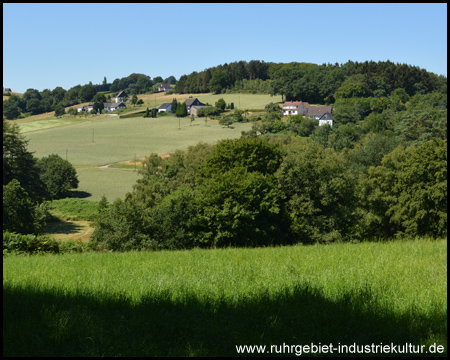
x: 54, y: 323
x: 77, y: 194
x: 62, y: 227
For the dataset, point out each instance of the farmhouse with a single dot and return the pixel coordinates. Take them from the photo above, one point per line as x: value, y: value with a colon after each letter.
x: 120, y: 96
x: 315, y: 112
x: 166, y: 107
x: 326, y: 119
x: 192, y: 102
x: 305, y: 109
x: 165, y: 87
x: 114, y: 106
x: 295, y: 108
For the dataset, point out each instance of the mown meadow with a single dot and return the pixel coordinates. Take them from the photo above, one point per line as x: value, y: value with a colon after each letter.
x: 110, y: 140
x: 204, y: 302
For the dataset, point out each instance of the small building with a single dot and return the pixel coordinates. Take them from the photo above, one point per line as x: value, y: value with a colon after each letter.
x: 120, y: 96
x: 7, y: 89
x: 165, y: 87
x: 82, y: 108
x: 166, y: 107
x: 194, y: 109
x: 192, y: 102
x: 326, y: 119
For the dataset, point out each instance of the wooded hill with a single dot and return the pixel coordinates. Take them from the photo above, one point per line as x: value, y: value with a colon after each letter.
x: 314, y: 83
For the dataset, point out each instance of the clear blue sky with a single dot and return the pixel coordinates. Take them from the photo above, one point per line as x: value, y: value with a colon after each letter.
x: 50, y: 45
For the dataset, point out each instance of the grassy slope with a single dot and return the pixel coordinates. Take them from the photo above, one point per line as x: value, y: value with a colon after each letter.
x: 204, y: 302
x: 117, y: 140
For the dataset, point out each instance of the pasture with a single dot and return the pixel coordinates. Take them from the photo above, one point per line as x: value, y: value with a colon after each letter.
x: 111, y: 140
x: 205, y: 302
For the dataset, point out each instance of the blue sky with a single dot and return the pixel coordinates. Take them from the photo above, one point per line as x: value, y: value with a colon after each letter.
x: 50, y: 45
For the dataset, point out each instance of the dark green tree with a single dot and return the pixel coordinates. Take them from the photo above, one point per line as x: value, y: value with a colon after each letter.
x: 19, y: 213
x: 181, y: 110
x: 34, y: 106
x: 318, y: 189
x: 173, y: 107
x: 220, y: 81
x: 10, y: 109
x: 147, y: 113
x: 87, y: 93
x: 251, y: 154
x: 239, y: 208
x: 221, y: 104
x: 20, y: 164
x: 407, y: 193
x: 59, y: 110
x: 58, y: 175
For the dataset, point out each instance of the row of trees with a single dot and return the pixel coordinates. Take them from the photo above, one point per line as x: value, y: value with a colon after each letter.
x: 254, y: 192
x: 29, y: 181
x: 35, y: 102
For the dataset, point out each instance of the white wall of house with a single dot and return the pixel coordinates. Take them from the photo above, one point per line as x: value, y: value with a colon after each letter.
x: 324, y: 122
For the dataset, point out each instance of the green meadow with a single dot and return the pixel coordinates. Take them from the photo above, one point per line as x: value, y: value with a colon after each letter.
x: 111, y: 140
x: 205, y: 302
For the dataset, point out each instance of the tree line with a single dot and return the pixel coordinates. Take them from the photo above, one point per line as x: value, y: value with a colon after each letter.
x: 281, y: 190
x: 35, y: 102
x: 313, y: 83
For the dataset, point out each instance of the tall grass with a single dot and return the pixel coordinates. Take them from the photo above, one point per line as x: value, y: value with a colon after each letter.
x: 204, y: 302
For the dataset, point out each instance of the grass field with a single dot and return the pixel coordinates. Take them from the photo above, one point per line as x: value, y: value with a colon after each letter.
x: 112, y: 140
x: 205, y: 302
x: 95, y: 182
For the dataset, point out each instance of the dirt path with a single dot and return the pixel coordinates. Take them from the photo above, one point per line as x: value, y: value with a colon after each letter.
x: 70, y: 230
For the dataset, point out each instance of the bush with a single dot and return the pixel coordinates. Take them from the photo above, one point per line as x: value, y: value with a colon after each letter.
x: 28, y: 244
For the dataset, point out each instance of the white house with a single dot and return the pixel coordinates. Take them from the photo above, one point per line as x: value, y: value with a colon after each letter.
x: 326, y: 119
x: 120, y: 96
x: 294, y: 108
x: 82, y: 108
x: 114, y: 106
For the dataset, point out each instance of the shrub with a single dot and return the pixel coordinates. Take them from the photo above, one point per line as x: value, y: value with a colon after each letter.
x: 28, y: 244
